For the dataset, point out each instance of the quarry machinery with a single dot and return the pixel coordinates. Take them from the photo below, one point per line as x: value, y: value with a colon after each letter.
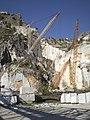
x: 44, y: 31
x: 75, y: 53
x: 72, y: 66
x: 58, y: 76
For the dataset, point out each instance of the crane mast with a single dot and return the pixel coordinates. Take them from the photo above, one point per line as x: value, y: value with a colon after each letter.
x: 75, y: 52
x: 72, y: 67
x: 44, y: 31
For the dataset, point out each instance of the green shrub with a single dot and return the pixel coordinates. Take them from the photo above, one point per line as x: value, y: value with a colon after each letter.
x: 43, y: 89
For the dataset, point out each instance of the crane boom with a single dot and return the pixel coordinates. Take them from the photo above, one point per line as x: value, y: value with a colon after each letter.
x: 44, y: 31
x: 58, y: 76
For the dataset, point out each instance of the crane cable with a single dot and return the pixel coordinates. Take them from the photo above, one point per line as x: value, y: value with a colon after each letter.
x: 42, y: 19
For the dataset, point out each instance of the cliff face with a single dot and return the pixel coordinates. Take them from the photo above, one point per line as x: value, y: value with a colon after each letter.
x: 8, y: 18
x: 85, y: 36
x: 16, y: 37
x: 10, y: 40
x: 60, y: 58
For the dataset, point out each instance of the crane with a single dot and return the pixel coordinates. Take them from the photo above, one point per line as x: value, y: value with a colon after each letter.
x: 75, y: 52
x: 72, y: 66
x: 40, y: 36
x: 44, y: 31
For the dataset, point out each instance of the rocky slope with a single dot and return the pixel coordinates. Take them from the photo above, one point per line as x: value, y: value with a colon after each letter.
x: 14, y: 55
x: 85, y: 36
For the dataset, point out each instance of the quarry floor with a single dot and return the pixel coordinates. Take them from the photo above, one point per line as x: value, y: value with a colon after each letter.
x: 46, y: 111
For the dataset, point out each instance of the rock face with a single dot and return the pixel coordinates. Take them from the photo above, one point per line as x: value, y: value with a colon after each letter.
x: 85, y: 36
x: 19, y: 67
x: 7, y: 19
x: 60, y: 57
x: 16, y: 37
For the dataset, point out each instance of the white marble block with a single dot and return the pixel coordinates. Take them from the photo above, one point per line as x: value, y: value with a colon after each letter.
x: 82, y: 98
x: 27, y: 97
x: 63, y: 98
x: 13, y: 99
x: 88, y: 97
x: 74, y: 97
x: 25, y: 90
x: 68, y: 98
